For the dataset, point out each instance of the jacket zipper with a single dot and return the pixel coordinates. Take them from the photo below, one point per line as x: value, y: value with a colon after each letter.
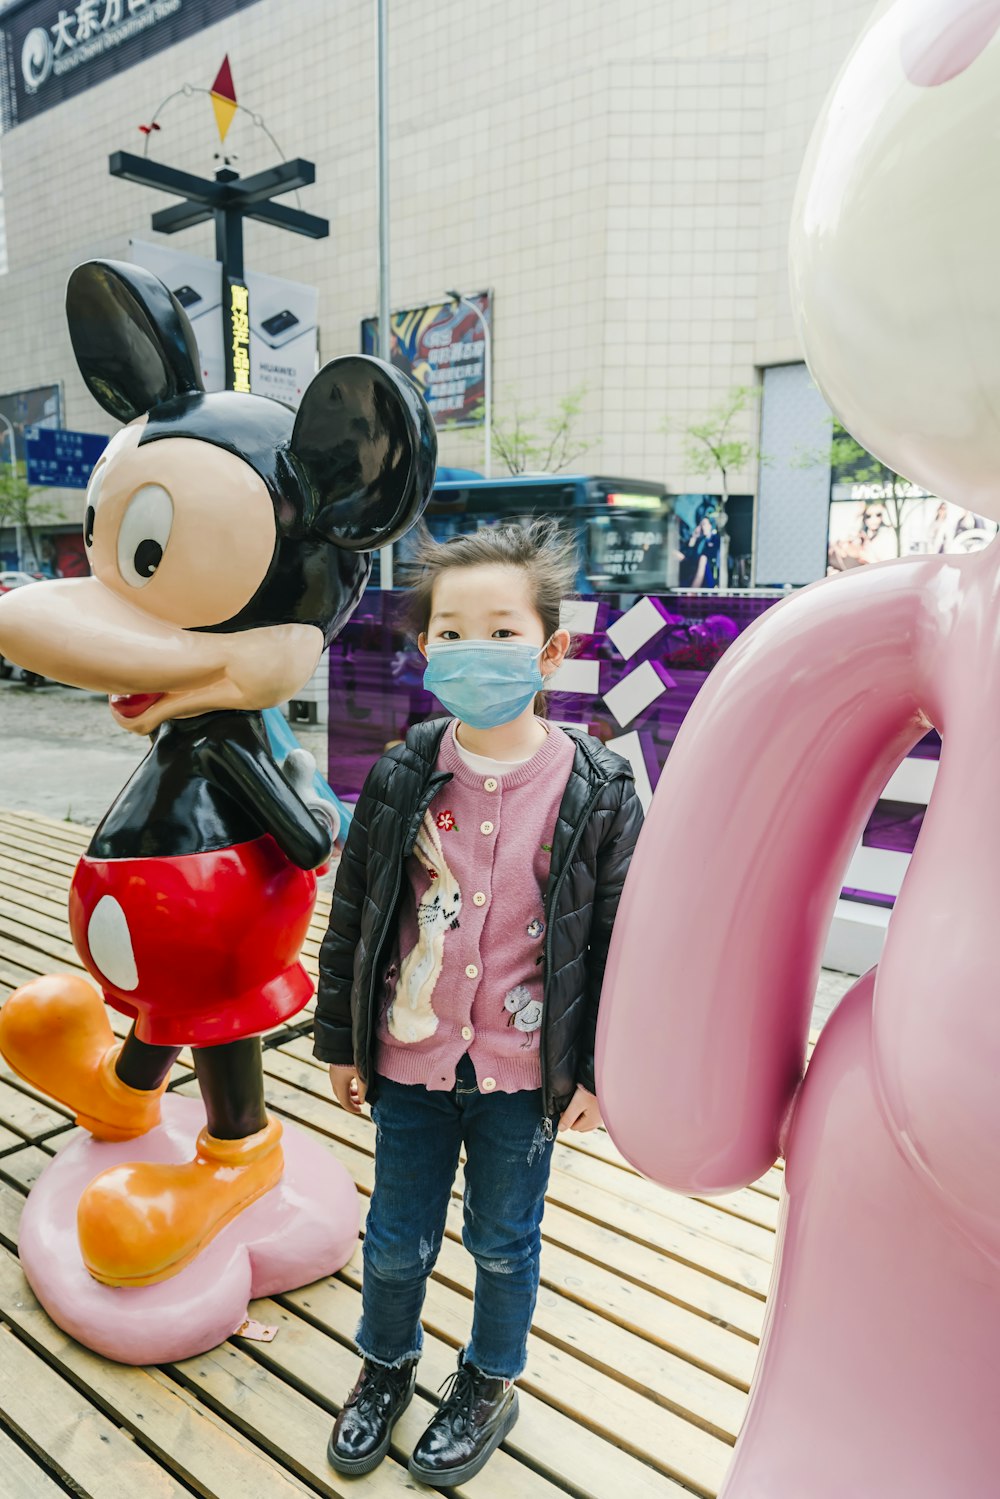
x: 430, y: 792
x: 547, y: 1102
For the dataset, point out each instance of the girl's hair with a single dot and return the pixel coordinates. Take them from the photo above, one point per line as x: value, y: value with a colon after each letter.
x: 538, y: 547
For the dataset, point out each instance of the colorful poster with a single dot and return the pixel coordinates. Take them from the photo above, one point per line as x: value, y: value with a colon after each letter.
x: 197, y: 285
x: 698, y: 541
x: 283, y: 336
x: 442, y: 346
x: 874, y: 525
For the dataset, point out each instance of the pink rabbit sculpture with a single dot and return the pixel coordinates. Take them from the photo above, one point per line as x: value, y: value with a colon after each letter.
x: 879, y: 1368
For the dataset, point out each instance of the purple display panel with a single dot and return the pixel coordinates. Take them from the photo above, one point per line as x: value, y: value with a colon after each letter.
x: 376, y: 690
x: 376, y: 676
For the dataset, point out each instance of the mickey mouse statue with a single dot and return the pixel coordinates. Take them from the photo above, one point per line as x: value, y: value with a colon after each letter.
x: 229, y: 542
x: 879, y: 1366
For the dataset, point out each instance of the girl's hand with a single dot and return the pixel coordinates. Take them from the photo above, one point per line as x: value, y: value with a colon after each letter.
x: 348, y: 1089
x: 583, y: 1112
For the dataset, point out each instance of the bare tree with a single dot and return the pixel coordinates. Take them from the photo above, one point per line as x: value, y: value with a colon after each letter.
x: 524, y: 446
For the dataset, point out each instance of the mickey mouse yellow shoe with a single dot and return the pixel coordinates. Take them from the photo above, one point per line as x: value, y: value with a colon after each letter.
x: 55, y: 1034
x: 144, y: 1222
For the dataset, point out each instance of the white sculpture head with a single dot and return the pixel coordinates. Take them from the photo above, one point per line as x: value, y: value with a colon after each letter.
x: 895, y: 246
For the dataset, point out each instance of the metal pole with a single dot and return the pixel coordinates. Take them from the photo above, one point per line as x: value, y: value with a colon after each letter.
x: 18, y: 542
x: 457, y: 296
x: 384, y: 330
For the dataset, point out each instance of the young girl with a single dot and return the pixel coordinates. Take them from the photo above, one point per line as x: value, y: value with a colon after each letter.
x: 460, y: 980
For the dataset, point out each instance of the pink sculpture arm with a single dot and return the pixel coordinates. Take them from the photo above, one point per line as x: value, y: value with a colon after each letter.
x: 705, y: 1010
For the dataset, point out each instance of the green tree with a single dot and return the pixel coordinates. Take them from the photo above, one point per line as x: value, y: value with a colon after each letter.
x: 718, y: 446
x: 526, y: 443
x: 21, y: 506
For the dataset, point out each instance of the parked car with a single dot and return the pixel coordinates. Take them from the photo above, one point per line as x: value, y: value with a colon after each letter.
x: 15, y: 580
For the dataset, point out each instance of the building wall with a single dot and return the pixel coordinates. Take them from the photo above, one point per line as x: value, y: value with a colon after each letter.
x: 621, y: 175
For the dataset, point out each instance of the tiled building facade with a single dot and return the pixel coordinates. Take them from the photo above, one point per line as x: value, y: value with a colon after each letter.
x: 620, y: 174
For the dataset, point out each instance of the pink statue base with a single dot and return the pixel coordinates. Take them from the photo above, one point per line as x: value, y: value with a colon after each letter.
x: 305, y: 1228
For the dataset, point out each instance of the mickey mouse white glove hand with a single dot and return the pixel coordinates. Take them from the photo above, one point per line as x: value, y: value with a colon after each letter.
x: 298, y: 769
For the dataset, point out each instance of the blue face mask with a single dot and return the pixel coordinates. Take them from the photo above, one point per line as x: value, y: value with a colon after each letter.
x: 484, y: 683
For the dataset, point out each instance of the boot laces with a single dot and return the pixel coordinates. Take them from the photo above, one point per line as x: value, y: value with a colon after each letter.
x: 459, y: 1393
x: 381, y: 1382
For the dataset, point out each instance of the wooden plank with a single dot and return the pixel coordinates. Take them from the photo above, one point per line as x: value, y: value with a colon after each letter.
x: 12, y: 968
x: 11, y: 1203
x: 73, y: 834
x: 23, y: 1478
x: 38, y: 881
x: 157, y: 1413
x: 37, y: 854
x: 648, y: 1198
x: 44, y: 948
x: 71, y: 1437
x: 23, y: 1167
x: 27, y: 1116
x: 51, y: 922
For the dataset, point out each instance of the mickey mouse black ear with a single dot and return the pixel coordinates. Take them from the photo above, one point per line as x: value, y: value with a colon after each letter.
x: 131, y: 338
x: 364, y: 441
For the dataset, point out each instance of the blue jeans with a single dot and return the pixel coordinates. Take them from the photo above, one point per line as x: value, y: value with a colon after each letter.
x: 419, y: 1136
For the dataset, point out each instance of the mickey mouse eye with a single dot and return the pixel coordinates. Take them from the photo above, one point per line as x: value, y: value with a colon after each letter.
x: 93, y: 494
x: 143, y: 535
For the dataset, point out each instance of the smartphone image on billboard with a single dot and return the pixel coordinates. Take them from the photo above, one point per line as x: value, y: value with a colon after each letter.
x: 280, y: 328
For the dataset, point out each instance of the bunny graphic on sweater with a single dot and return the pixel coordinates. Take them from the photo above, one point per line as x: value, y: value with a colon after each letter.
x: 411, y: 1016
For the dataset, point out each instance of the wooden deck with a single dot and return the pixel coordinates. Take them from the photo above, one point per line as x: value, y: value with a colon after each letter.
x: 640, y: 1357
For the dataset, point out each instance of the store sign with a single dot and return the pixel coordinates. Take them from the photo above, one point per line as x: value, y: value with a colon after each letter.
x: 50, y: 52
x: 442, y: 347
x: 239, y: 348
x: 58, y: 459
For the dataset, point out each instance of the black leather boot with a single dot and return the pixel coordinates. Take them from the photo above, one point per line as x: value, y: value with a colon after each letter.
x: 362, y: 1431
x: 472, y: 1420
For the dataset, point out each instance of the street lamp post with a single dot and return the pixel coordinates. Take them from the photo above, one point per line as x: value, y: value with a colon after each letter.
x: 384, y: 316
x: 487, y: 377
x: 13, y: 492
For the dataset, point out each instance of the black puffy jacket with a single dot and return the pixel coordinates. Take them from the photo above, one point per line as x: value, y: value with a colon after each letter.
x: 596, y: 831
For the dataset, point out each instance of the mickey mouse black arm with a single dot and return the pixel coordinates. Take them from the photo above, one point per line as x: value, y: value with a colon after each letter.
x: 256, y: 783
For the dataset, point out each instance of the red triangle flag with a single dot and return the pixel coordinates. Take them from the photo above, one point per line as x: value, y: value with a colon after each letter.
x: 223, y: 85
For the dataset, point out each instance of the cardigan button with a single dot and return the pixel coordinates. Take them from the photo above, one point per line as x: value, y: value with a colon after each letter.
x: 486, y: 827
x: 466, y: 1032
x: 491, y: 784
x: 472, y: 972
x: 489, y: 1083
x: 479, y: 899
